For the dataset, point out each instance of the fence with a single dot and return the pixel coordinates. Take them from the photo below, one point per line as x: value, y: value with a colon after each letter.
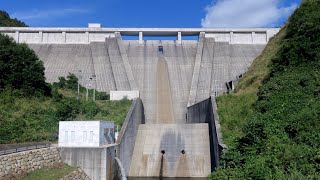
x: 24, y: 148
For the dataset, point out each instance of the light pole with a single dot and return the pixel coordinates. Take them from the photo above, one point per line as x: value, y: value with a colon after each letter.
x: 87, y: 94
x: 79, y: 79
x: 94, y: 87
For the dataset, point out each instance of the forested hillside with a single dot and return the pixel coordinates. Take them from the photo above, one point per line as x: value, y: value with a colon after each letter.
x: 6, y: 21
x: 271, y: 123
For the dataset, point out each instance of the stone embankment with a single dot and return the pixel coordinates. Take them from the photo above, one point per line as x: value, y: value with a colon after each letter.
x: 77, y: 174
x: 24, y: 162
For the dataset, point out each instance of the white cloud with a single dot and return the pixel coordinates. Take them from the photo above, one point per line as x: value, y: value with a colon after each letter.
x: 36, y: 14
x: 246, y: 13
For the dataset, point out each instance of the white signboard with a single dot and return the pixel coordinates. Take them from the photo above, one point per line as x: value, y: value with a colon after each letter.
x: 118, y: 95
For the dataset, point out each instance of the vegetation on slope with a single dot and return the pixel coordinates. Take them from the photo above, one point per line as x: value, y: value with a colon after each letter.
x: 31, y: 119
x: 237, y: 108
x: 6, y: 21
x: 273, y: 129
x: 30, y: 109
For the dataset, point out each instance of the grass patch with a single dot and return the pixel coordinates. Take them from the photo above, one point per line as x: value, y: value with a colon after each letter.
x: 52, y: 173
x: 234, y: 111
x: 260, y: 68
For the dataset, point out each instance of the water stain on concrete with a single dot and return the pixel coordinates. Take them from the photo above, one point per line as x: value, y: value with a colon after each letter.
x: 164, y: 99
x: 182, y: 166
x: 172, y: 143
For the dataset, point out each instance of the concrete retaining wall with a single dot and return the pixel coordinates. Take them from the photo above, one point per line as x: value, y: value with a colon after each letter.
x: 27, y: 161
x: 97, y: 163
x: 206, y: 112
x: 128, y: 133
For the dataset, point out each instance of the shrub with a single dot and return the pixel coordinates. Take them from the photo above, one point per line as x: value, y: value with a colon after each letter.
x: 68, y: 109
x: 71, y: 82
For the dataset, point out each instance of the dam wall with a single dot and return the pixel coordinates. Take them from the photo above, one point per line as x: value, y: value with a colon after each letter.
x: 196, y: 69
x: 101, y: 59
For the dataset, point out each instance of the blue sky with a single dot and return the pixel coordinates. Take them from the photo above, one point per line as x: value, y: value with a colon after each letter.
x: 151, y: 13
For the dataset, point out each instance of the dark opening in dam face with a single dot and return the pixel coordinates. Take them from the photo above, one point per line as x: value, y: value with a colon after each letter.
x: 164, y: 99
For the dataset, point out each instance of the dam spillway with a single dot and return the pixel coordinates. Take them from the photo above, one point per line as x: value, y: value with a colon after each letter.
x: 184, y: 74
x: 164, y: 101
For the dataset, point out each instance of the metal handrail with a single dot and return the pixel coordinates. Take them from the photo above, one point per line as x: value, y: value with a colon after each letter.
x: 23, y: 148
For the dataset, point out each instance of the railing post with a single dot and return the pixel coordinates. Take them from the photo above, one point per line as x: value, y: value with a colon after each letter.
x: 179, y: 38
x: 140, y: 37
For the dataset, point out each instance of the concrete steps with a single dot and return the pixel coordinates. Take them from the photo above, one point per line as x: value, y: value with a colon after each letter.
x: 118, y: 69
x: 103, y: 70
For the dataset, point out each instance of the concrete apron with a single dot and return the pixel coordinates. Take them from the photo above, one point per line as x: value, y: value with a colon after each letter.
x: 171, y: 150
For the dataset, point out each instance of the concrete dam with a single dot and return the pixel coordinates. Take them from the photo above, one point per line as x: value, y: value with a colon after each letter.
x: 172, y: 129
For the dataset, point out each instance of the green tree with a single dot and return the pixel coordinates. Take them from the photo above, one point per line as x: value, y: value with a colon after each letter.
x: 21, y: 69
